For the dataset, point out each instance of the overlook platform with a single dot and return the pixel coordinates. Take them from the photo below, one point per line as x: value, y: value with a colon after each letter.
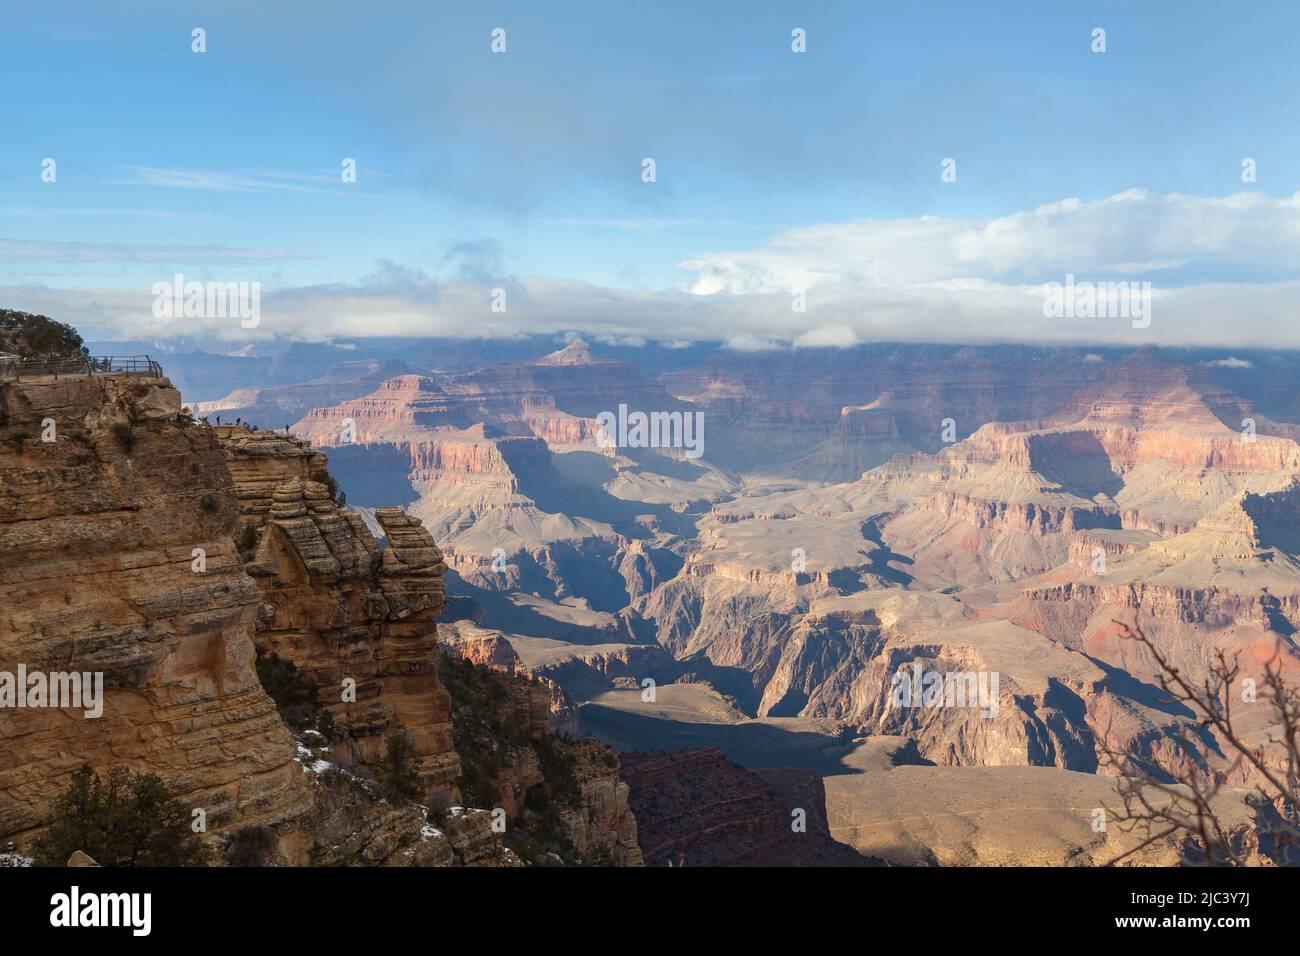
x: 93, y: 365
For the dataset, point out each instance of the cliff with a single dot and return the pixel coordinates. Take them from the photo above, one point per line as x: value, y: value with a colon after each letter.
x: 356, y: 621
x: 562, y: 799
x: 116, y: 536
x: 696, y: 808
x: 163, y: 554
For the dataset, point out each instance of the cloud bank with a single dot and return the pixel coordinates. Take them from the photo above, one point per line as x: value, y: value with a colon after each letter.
x: 1223, y: 271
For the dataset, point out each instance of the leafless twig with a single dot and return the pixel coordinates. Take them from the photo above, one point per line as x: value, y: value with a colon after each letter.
x: 1187, y: 807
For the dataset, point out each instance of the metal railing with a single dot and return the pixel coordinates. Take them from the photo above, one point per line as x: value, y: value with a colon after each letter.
x: 93, y: 365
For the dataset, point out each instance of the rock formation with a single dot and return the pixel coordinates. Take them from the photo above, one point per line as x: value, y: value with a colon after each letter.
x: 117, y: 521
x: 561, y: 799
x: 696, y: 808
x: 275, y: 406
x: 163, y: 555
x: 499, y: 459
x: 356, y: 620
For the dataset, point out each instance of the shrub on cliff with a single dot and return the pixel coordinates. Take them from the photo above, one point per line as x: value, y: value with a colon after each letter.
x: 295, y: 694
x: 483, y: 732
x: 555, y: 755
x: 246, y: 543
x: 490, y: 741
x: 18, y: 440
x: 125, y: 435
x: 37, y: 336
x: 250, y: 847
x: 332, y: 486
x: 397, y: 773
x: 128, y: 820
x: 292, y: 690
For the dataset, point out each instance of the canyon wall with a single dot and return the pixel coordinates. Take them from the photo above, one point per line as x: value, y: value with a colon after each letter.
x: 116, y: 525
x: 697, y: 808
x: 562, y: 799
x: 177, y: 560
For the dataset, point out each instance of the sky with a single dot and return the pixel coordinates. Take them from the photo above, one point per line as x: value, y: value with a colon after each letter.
x: 798, y: 197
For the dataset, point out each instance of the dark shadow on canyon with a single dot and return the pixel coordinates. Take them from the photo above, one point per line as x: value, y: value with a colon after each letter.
x: 755, y: 746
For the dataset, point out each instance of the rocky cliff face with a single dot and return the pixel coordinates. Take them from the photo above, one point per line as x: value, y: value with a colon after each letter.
x: 562, y: 800
x: 1012, y: 551
x: 117, y: 520
x: 696, y: 808
x: 164, y: 555
x: 491, y: 649
x: 356, y: 620
x: 834, y: 413
x: 555, y: 398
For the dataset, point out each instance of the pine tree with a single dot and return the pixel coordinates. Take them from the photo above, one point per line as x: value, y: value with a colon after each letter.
x: 397, y: 772
x: 128, y: 820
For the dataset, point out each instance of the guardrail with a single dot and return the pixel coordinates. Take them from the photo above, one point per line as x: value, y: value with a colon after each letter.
x: 94, y: 365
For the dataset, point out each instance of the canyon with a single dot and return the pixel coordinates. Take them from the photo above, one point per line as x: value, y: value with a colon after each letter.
x: 856, y: 513
x: 734, y: 623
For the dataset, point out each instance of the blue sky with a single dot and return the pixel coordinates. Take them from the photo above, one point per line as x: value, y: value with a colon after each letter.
x: 523, y: 169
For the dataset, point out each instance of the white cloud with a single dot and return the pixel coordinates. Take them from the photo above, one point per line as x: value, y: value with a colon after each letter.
x: 1225, y: 272
x: 751, y: 343
x: 216, y: 181
x: 630, y: 341
x: 1134, y: 232
x: 1231, y: 362
x: 411, y: 305
x: 834, y: 336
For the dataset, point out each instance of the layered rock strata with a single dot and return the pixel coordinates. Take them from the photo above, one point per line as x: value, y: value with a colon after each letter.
x: 355, y: 619
x: 117, y: 558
